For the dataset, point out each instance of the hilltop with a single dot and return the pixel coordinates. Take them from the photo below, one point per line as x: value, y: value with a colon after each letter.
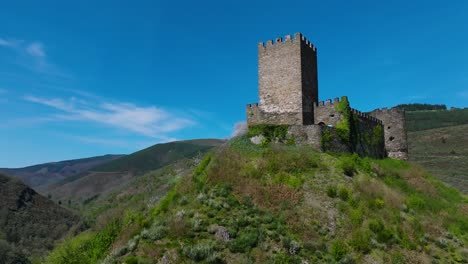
x: 281, y: 204
x: 29, y: 222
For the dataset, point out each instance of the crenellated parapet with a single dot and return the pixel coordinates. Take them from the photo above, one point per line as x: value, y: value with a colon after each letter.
x: 329, y: 102
x: 288, y: 39
x: 365, y: 116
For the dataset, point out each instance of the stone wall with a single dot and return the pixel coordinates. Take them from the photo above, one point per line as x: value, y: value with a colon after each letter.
x: 255, y: 116
x: 312, y: 135
x: 394, y: 122
x: 325, y: 112
x: 368, y: 135
x: 287, y: 78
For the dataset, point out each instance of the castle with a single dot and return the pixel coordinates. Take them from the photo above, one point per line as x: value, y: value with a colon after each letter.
x: 288, y: 91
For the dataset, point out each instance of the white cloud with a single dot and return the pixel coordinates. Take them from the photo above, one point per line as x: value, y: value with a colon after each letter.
x: 7, y: 43
x: 240, y: 128
x: 149, y: 121
x: 36, y: 49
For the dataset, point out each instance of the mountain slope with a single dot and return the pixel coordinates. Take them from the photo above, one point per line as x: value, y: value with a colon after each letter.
x: 443, y: 151
x: 45, y: 174
x: 158, y: 155
x: 85, y: 187
x: 284, y: 204
x: 429, y: 119
x: 29, y: 223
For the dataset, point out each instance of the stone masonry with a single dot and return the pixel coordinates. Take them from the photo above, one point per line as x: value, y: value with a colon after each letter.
x: 288, y: 93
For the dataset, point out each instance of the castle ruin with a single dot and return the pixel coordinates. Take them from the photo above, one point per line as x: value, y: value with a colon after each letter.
x: 288, y: 93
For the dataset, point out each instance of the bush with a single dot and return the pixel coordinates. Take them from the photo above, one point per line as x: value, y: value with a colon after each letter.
x: 331, y: 191
x: 200, y: 251
x: 245, y: 241
x: 270, y: 132
x: 338, y: 250
x: 360, y: 241
x: 349, y: 164
x: 343, y: 193
x: 376, y: 225
x: 156, y: 232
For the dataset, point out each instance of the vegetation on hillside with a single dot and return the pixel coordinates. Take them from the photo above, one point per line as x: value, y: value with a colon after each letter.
x: 42, y: 175
x: 86, y: 187
x: 422, y: 107
x: 157, y: 156
x: 29, y: 223
x: 443, y: 152
x: 285, y: 204
x: 423, y: 120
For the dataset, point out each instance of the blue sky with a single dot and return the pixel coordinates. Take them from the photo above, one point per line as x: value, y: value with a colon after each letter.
x: 81, y: 78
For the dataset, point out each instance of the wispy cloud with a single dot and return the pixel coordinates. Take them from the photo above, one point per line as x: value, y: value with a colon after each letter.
x: 32, y: 56
x: 36, y: 49
x: 149, y: 121
x: 9, y: 43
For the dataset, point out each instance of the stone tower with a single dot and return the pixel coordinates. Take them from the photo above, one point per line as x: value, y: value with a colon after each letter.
x: 287, y: 80
x: 394, y: 121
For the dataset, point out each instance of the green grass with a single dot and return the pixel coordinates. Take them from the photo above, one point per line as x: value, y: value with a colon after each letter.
x: 443, y: 152
x: 429, y: 119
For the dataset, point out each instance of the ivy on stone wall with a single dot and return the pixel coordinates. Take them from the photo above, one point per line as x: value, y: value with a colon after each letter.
x: 326, y: 140
x: 343, y: 129
x: 378, y: 136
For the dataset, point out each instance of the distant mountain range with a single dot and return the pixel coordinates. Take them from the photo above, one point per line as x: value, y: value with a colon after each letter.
x: 42, y: 175
x: 108, y: 176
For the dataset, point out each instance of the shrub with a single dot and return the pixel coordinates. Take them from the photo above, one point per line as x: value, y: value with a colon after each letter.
x: 343, y: 193
x: 156, y: 232
x: 200, y: 251
x: 331, y: 191
x: 376, y: 225
x: 338, y: 250
x: 245, y: 241
x: 270, y: 132
x: 356, y: 216
x: 360, y: 241
x: 379, y: 203
x: 349, y: 164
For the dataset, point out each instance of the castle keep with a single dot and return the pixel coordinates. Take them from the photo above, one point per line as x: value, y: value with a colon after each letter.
x: 288, y: 93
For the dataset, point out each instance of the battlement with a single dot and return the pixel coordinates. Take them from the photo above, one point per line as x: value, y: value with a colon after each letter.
x: 366, y: 116
x: 252, y: 106
x: 329, y: 102
x: 287, y: 39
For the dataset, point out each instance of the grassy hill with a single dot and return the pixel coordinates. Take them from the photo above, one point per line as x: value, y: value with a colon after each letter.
x: 423, y: 120
x: 280, y: 204
x: 444, y: 152
x: 84, y: 187
x: 43, y: 175
x: 29, y: 223
x: 437, y: 140
x: 158, y: 155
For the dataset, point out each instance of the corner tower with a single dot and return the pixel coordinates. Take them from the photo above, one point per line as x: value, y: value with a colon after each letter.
x: 287, y: 81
